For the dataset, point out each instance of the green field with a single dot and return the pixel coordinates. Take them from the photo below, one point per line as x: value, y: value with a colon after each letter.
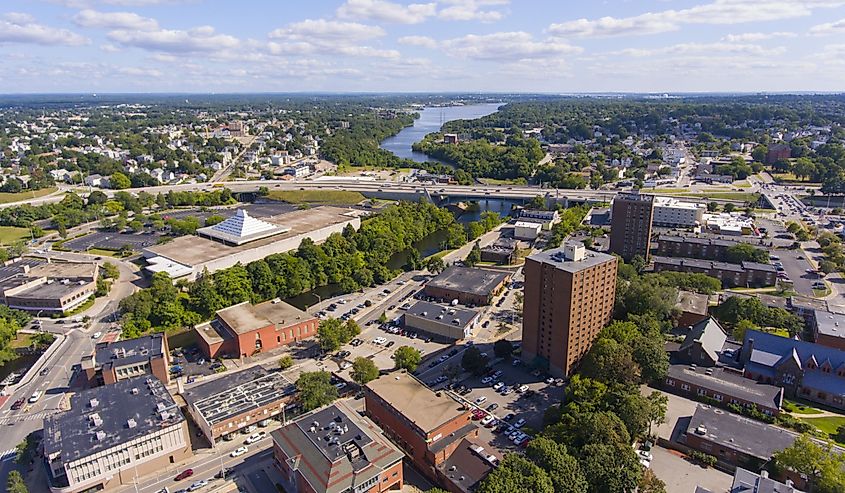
x: 799, y: 408
x: 827, y: 424
x: 101, y: 252
x: 6, y: 197
x: 331, y: 197
x: 12, y: 234
x: 739, y: 196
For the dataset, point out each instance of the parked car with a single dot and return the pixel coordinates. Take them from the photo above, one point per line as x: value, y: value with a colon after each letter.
x: 519, y: 423
x: 18, y: 404
x: 487, y: 421
x: 197, y: 485
x: 184, y: 474
x: 480, y: 400
x: 255, y: 437
x: 239, y: 451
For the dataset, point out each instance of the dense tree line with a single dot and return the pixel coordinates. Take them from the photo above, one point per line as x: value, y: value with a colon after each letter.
x: 11, y: 322
x: 351, y: 260
x: 516, y: 158
x: 738, y: 309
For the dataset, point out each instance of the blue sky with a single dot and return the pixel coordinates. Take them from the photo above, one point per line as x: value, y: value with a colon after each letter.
x: 556, y: 46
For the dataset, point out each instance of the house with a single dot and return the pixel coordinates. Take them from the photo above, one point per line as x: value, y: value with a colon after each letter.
x: 703, y: 343
x: 692, y: 308
x: 501, y: 251
x: 777, y: 153
x: 96, y: 180
x: 724, y: 386
x: 527, y: 230
x: 805, y: 370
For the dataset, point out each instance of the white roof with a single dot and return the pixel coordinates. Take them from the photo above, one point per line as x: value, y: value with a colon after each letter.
x: 241, y: 228
x: 527, y: 224
x: 173, y: 269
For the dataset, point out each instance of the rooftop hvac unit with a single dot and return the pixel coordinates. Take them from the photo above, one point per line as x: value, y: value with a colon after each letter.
x: 134, y: 391
x: 93, y: 403
x: 131, y: 423
x: 101, y: 435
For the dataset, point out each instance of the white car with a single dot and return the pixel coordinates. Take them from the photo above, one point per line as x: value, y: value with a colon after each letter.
x: 519, y: 423
x: 487, y: 420
x: 239, y: 452
x: 197, y: 485
x: 487, y: 380
x: 379, y: 340
x: 97, y: 335
x: 35, y: 396
x: 498, y: 385
x: 480, y: 400
x: 255, y: 437
x: 522, y: 388
x: 645, y: 455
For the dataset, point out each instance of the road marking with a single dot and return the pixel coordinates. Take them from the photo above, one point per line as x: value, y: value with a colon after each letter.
x: 8, y: 455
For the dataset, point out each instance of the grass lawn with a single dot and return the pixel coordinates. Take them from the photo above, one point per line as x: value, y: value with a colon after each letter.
x: 799, y: 408
x: 441, y: 253
x: 333, y: 197
x: 827, y: 424
x: 20, y: 341
x: 101, y: 252
x: 742, y: 184
x: 495, y: 181
x: 779, y: 332
x: 740, y: 196
x: 789, y: 177
x: 6, y: 197
x: 11, y: 234
x: 821, y: 293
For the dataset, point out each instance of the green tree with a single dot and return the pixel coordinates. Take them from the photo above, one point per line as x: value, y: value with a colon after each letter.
x: 474, y: 255
x: 649, y: 353
x: 364, y: 370
x: 407, y: 358
x: 822, y: 466
x: 119, y: 181
x: 214, y: 219
x: 330, y: 334
x: 435, y: 264
x: 743, y: 252
x: 562, y: 468
x: 738, y: 333
x: 650, y: 483
x: 516, y: 473
x: 285, y: 362
x: 315, y: 390
x: 473, y: 361
x: 15, y: 483
x: 136, y: 225
x: 610, y: 361
x: 110, y: 271
x: 712, y: 206
x: 414, y: 259
x: 657, y: 405
x: 502, y: 348
x: 611, y: 468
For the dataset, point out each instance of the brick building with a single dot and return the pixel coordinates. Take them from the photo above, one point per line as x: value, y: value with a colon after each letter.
x: 724, y: 386
x: 630, y: 225
x: 829, y: 329
x: 569, y: 297
x: 778, y: 152
x: 112, y: 362
x: 693, y: 247
x: 746, y: 274
x: 428, y: 426
x: 225, y: 406
x: 703, y: 343
x: 336, y: 450
x: 245, y: 329
x: 472, y: 287
x: 692, y: 307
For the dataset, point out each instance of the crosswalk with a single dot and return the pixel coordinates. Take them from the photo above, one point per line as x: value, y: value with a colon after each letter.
x: 25, y: 417
x: 8, y: 455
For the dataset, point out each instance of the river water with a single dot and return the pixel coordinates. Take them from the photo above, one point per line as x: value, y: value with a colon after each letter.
x: 430, y: 120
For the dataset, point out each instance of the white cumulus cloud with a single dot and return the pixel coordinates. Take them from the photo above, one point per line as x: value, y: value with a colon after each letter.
x: 424, y: 41
x: 114, y: 20
x: 202, y: 39
x: 383, y: 10
x: 828, y: 28
x: 469, y: 10
x: 507, y: 46
x: 22, y: 28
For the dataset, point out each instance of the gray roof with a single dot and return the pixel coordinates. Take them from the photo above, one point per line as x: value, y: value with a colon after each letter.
x: 238, y: 393
x: 452, y: 316
x: 830, y: 324
x: 469, y: 280
x: 709, y: 334
x: 556, y: 258
x: 697, y: 263
x: 468, y: 464
x: 335, y: 449
x: 746, y: 481
x: 729, y: 384
x: 691, y: 302
x: 696, y: 240
x: 735, y: 432
x: 129, y: 351
x: 144, y: 400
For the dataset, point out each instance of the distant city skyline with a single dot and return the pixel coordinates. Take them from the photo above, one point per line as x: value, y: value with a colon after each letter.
x: 545, y: 46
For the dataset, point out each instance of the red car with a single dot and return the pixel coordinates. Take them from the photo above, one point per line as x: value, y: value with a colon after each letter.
x: 187, y: 473
x: 18, y: 404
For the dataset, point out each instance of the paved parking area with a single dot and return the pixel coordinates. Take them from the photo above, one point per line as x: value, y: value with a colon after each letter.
x: 682, y: 476
x: 113, y: 241
x: 795, y: 265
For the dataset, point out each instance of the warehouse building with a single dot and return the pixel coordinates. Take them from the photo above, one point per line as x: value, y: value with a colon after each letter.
x: 111, y: 362
x: 244, y: 239
x: 445, y: 323
x: 546, y: 219
x: 47, y: 287
x: 239, y: 401
x: 113, y: 434
x: 472, y: 287
x: 245, y: 329
x: 670, y: 212
x: 527, y: 230
x: 501, y: 251
x: 336, y: 450
x: 746, y: 274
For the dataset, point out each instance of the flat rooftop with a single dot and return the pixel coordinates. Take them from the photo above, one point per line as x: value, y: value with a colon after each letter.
x: 229, y: 396
x: 692, y: 302
x: 696, y: 240
x: 732, y: 431
x: 448, y: 315
x: 419, y: 404
x: 192, y: 250
x: 634, y: 197
x: 729, y: 384
x: 246, y: 317
x: 50, y: 290
x: 110, y: 415
x: 129, y: 351
x: 65, y: 270
x: 16, y: 267
x: 469, y: 280
x: 556, y: 258
x: 830, y: 324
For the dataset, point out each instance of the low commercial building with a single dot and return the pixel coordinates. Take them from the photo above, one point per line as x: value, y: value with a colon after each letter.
x: 113, y: 434
x: 734, y: 440
x: 441, y: 322
x: 724, y: 386
x: 336, y: 450
x: 546, y: 218
x: 670, y: 212
x: 746, y: 274
x: 470, y: 286
x: 527, y: 230
x: 829, y: 329
x: 467, y: 466
x: 243, y: 239
x: 245, y: 329
x: 47, y: 287
x: 428, y: 426
x: 693, y: 247
x: 225, y: 406
x: 111, y: 362
x: 734, y: 224
x: 501, y: 251
x: 692, y: 307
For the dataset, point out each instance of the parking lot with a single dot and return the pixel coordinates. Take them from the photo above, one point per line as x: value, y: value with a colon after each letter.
x: 108, y: 240
x: 795, y: 266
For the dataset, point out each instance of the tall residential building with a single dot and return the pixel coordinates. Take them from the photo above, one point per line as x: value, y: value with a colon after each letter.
x: 569, y: 296
x: 630, y: 225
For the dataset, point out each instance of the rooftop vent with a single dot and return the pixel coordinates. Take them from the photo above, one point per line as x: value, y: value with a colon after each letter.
x: 701, y: 430
x: 131, y: 423
x: 93, y: 403
x: 134, y: 391
x: 96, y: 420
x: 101, y: 435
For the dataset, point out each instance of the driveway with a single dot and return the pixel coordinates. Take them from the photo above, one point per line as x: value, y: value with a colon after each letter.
x: 682, y: 476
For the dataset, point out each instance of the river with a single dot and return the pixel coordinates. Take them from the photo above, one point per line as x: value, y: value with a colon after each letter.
x: 431, y: 120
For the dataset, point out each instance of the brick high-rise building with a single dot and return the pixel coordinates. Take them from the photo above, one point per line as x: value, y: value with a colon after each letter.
x: 569, y: 297
x: 630, y: 225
